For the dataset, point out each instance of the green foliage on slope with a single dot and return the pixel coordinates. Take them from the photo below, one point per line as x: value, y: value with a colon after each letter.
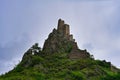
x: 61, y: 59
x: 59, y: 67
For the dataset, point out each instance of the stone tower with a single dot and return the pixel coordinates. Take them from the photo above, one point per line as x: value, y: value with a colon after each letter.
x: 63, y: 28
x: 61, y: 41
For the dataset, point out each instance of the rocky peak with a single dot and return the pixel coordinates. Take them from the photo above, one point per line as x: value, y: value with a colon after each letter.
x: 60, y: 41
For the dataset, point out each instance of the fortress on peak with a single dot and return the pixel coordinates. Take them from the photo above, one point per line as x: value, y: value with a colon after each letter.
x: 61, y: 41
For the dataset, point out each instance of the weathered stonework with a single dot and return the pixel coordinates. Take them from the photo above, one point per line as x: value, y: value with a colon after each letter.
x: 60, y: 41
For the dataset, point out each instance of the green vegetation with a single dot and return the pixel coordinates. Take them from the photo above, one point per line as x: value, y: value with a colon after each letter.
x: 58, y: 66
x: 61, y: 59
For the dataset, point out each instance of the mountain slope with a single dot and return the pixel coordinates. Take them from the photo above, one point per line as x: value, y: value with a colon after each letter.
x: 61, y: 59
x: 59, y: 67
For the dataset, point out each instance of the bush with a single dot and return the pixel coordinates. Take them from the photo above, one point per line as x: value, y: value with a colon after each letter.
x: 77, y: 75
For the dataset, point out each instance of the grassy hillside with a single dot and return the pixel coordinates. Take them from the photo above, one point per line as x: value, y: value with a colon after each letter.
x: 61, y: 59
x: 59, y: 67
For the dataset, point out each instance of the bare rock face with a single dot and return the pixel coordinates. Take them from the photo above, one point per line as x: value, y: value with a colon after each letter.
x: 60, y: 41
x: 77, y: 53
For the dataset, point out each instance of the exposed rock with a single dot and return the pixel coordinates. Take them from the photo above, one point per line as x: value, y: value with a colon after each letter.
x: 77, y: 53
x: 60, y: 40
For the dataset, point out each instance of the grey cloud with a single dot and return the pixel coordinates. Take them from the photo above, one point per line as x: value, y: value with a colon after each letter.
x: 94, y: 25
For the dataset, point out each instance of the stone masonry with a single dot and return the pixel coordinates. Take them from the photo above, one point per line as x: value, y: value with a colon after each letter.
x: 60, y: 40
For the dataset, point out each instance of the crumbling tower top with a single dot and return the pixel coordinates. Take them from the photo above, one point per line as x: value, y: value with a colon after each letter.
x: 63, y: 28
x: 61, y: 41
x: 60, y: 24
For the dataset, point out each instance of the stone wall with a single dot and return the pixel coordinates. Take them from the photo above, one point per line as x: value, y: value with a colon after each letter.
x: 64, y: 30
x: 61, y: 41
x: 60, y: 26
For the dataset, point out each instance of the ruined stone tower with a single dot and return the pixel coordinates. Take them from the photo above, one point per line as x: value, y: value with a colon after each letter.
x: 63, y: 28
x: 61, y: 41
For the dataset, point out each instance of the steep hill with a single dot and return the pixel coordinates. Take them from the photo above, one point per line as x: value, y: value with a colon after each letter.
x: 61, y: 59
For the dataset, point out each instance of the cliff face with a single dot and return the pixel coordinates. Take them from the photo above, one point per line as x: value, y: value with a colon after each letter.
x: 60, y: 41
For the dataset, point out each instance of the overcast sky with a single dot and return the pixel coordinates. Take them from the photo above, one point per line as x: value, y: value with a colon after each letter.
x: 95, y: 25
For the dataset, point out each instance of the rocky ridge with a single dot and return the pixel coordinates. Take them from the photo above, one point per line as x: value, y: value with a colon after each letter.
x: 60, y: 40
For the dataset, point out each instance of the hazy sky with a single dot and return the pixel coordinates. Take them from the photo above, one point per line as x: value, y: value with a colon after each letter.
x: 95, y: 25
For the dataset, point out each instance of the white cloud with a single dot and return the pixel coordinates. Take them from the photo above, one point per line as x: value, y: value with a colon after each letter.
x: 94, y: 29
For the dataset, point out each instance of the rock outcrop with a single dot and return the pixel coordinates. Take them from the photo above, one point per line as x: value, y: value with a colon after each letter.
x: 60, y: 41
